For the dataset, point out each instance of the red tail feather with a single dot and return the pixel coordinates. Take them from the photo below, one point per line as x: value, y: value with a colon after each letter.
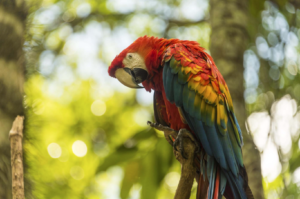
x: 202, y: 189
x: 217, y: 185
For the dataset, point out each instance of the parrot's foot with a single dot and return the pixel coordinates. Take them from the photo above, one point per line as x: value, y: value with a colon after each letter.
x: 183, y: 133
x: 168, y: 132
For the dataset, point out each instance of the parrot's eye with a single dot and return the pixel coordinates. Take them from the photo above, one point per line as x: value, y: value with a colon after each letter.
x: 129, y: 56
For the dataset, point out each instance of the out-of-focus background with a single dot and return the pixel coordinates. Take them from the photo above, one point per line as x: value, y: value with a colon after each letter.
x: 86, y: 134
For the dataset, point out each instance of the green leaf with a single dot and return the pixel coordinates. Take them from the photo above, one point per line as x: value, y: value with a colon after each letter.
x: 123, y: 154
x: 149, y: 176
x: 155, y: 165
x: 117, y: 158
x: 131, y: 175
x: 143, y: 135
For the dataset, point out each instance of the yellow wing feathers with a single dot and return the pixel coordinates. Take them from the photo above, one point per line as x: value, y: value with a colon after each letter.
x: 212, y: 97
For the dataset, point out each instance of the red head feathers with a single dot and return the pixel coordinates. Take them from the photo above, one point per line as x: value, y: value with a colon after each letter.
x: 150, y: 48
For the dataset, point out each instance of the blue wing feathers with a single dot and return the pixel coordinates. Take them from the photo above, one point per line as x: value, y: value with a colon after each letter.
x: 211, y: 176
x: 165, y: 74
x: 196, y: 125
x: 217, y: 149
x: 238, y: 127
x: 219, y: 143
x: 229, y: 153
x: 191, y: 108
x: 209, y: 113
x: 197, y: 104
x: 177, y: 92
x: 169, y: 84
x: 202, y: 109
x: 185, y: 96
x: 235, y: 146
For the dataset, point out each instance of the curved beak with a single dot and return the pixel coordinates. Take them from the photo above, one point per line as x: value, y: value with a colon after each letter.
x: 131, y: 77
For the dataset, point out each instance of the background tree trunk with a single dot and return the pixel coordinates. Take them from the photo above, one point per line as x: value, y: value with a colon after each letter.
x: 12, y: 23
x: 229, y: 40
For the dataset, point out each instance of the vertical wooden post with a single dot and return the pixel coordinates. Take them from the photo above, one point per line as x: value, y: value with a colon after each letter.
x: 16, y: 136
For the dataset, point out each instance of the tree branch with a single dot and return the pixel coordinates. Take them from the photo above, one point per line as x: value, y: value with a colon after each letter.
x: 186, y: 23
x: 188, y: 169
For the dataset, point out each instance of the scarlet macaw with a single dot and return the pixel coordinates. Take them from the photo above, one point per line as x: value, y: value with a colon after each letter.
x: 190, y: 93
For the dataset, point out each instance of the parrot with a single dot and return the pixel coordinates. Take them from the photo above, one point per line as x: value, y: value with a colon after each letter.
x: 190, y: 97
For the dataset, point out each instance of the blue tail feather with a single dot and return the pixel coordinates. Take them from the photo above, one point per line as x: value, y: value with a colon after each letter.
x: 223, y: 182
x: 211, y: 174
x: 236, y: 185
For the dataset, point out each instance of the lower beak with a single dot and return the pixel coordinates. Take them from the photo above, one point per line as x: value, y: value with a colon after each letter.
x: 126, y: 79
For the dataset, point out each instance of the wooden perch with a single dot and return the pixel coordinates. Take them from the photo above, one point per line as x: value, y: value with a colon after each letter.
x: 189, y: 164
x: 188, y: 169
x: 15, y: 136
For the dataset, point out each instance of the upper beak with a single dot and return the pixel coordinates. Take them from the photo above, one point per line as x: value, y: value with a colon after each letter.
x: 131, y: 77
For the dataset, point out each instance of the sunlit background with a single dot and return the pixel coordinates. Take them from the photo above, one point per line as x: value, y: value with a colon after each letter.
x: 87, y: 135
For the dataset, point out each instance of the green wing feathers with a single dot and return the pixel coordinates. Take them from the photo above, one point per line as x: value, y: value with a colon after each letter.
x: 192, y: 81
x: 211, y: 101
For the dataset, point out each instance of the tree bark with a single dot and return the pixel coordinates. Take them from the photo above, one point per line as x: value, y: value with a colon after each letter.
x: 16, y: 135
x: 12, y: 23
x: 229, y: 40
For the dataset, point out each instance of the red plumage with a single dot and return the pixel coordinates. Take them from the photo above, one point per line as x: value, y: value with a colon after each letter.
x: 206, y: 100
x: 153, y: 49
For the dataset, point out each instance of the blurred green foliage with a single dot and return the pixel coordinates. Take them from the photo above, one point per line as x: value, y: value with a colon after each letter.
x: 272, y: 74
x: 139, y: 154
x: 69, y: 96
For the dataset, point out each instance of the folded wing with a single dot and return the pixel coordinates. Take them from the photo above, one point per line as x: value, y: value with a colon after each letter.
x: 192, y: 81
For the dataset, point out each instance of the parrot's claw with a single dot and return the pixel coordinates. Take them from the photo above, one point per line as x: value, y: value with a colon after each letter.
x: 183, y: 133
x: 159, y: 126
x: 168, y: 132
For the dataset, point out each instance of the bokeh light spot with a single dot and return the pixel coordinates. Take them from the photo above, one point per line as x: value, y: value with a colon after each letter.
x: 272, y: 38
x: 54, y: 150
x: 296, y: 176
x: 65, y: 31
x: 274, y: 74
x: 141, y: 117
x: 98, y: 108
x: 83, y: 10
x: 144, y: 98
x: 77, y: 172
x: 79, y: 148
x: 172, y: 179
x: 292, y: 68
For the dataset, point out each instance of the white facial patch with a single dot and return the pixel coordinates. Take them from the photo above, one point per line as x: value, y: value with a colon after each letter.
x: 134, y: 60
